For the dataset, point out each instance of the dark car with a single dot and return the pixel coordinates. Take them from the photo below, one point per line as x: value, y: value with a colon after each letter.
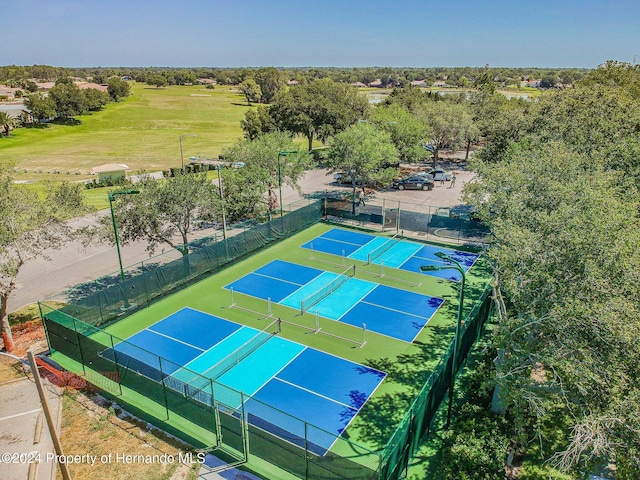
x: 415, y: 182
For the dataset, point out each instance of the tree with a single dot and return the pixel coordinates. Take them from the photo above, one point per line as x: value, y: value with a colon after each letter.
x: 69, y: 99
x: 450, y: 126
x: 256, y: 122
x: 265, y: 168
x: 318, y: 109
x: 156, y: 80
x: 411, y: 97
x: 31, y: 226
x: 363, y: 151
x: 271, y: 81
x: 548, y: 81
x: 95, y: 99
x: 556, y: 344
x: 408, y: 132
x: 251, y: 90
x: 40, y: 106
x: 163, y: 210
x: 6, y: 123
x: 118, y: 88
x: 484, y: 83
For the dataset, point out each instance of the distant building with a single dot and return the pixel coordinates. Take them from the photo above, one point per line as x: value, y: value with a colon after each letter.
x: 530, y: 83
x: 97, y: 86
x: 377, y: 83
x: 110, y: 171
x: 292, y: 82
x: 357, y: 84
x: 419, y: 83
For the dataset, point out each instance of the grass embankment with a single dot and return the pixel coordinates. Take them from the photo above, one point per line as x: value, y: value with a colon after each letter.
x: 95, y: 428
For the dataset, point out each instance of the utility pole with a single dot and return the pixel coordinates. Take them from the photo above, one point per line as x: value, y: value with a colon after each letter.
x: 64, y: 469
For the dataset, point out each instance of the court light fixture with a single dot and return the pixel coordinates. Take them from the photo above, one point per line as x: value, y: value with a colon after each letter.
x: 112, y: 197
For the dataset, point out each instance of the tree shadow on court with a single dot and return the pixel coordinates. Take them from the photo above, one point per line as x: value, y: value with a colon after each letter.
x: 407, y: 373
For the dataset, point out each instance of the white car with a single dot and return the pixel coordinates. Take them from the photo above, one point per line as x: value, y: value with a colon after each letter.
x: 438, y: 175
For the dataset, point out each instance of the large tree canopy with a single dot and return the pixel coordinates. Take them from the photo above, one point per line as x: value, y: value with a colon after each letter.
x: 164, y: 211
x: 364, y: 152
x: 30, y: 226
x: 408, y: 132
x: 450, y: 125
x: 562, y: 203
x: 265, y: 167
x: 318, y: 109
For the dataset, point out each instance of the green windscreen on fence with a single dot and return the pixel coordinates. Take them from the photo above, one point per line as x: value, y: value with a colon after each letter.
x: 100, y: 301
x: 72, y: 322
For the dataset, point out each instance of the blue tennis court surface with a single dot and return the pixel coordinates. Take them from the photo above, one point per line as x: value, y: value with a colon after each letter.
x: 385, y: 310
x: 402, y: 254
x: 321, y: 389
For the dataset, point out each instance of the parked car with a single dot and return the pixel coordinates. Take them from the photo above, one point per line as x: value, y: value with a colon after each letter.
x: 415, y: 182
x: 437, y: 175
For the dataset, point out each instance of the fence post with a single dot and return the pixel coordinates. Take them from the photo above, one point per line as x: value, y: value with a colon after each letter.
x: 383, y: 214
x: 164, y: 388
x: 115, y: 362
x: 75, y: 329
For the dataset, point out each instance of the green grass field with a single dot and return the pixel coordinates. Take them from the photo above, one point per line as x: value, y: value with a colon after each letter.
x: 142, y: 131
x: 408, y: 365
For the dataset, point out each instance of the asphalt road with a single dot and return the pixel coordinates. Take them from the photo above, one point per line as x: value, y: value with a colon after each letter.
x: 40, y: 279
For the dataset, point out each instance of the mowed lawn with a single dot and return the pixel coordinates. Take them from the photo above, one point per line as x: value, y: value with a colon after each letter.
x: 141, y: 131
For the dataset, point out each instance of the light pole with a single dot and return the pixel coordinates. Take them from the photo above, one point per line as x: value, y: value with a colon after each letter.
x: 112, y: 197
x: 284, y: 153
x: 224, y: 220
x: 181, y: 155
x: 458, y: 267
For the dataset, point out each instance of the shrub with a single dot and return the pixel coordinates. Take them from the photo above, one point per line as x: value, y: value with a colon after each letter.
x: 475, y: 448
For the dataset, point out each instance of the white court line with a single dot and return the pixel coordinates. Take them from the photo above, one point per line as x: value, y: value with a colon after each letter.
x: 21, y: 414
x: 174, y: 339
x: 316, y: 393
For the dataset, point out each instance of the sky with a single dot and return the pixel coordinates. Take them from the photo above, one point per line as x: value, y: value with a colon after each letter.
x: 299, y: 33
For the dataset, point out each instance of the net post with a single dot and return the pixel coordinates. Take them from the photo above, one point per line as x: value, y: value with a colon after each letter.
x: 269, y: 307
x: 233, y: 303
x: 312, y: 252
x: 419, y: 284
x: 279, y: 325
x: 317, y: 323
x: 364, y: 329
x: 342, y: 264
x: 381, y: 267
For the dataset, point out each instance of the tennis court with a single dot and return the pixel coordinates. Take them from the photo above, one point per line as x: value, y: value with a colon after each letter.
x: 389, y: 311
x: 392, y: 252
x: 316, y: 387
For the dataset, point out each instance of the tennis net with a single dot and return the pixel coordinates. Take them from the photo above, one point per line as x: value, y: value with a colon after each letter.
x: 239, y: 354
x: 328, y: 289
x: 388, y: 245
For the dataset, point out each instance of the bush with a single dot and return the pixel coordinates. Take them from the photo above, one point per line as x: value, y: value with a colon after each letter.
x: 475, y: 448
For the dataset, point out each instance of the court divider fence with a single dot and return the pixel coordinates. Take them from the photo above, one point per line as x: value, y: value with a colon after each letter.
x: 203, y: 411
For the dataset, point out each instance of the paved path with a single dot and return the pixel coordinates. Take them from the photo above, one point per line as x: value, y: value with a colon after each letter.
x: 22, y: 433
x: 40, y: 279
